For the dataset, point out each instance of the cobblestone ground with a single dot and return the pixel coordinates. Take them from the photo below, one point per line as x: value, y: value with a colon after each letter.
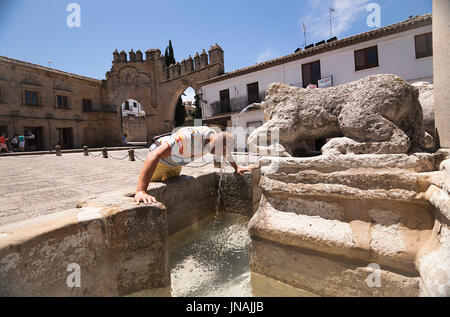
x: 37, y: 185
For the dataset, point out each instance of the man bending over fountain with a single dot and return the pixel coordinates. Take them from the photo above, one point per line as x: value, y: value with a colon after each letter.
x: 169, y: 153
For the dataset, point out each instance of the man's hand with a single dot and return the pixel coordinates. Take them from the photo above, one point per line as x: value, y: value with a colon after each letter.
x: 242, y: 170
x: 144, y: 197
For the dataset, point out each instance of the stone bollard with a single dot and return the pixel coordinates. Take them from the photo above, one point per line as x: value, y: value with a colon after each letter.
x: 58, y: 150
x: 131, y: 155
x: 105, y: 152
x: 85, y: 150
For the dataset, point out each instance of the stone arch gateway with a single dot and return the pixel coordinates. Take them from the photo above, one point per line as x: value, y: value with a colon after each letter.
x: 156, y: 86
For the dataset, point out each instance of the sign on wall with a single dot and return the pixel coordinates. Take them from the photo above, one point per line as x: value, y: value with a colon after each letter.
x: 325, y: 82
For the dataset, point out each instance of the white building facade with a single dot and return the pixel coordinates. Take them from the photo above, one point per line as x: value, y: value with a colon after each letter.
x: 403, y: 49
x: 132, y: 107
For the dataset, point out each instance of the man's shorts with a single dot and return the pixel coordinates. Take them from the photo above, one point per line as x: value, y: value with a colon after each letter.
x: 164, y: 172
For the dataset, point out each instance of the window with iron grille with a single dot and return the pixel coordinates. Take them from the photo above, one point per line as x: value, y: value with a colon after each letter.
x: 424, y: 45
x: 31, y: 98
x: 253, y: 93
x: 366, y: 58
x: 225, y: 100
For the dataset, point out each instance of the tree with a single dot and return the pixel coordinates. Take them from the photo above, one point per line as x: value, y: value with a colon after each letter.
x: 180, y: 113
x: 180, y: 110
x: 169, y: 56
x: 198, y: 109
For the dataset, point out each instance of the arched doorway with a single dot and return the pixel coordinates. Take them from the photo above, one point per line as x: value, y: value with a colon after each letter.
x: 184, y: 107
x: 134, y: 121
x: 189, y: 107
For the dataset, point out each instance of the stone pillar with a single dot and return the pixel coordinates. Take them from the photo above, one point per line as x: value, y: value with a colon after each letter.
x: 116, y: 57
x: 198, y: 62
x: 139, y: 57
x: 132, y: 56
x: 441, y: 69
x: 123, y: 56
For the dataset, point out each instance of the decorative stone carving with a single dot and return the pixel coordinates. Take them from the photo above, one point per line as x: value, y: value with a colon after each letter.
x: 374, y: 115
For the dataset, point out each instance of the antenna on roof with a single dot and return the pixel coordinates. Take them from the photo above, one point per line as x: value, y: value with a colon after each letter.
x: 50, y: 63
x: 331, y: 25
x: 304, y: 34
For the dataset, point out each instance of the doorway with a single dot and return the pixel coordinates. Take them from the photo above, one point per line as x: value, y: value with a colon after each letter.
x: 36, y: 144
x: 64, y: 138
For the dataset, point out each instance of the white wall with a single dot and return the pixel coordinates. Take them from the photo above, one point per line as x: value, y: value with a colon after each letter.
x: 396, y: 55
x: 243, y: 120
x: 135, y: 111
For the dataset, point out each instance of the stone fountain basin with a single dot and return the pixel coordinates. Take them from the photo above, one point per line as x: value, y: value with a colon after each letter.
x: 120, y: 247
x: 323, y: 223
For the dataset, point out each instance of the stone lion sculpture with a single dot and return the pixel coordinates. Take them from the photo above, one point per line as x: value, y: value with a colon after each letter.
x: 379, y: 114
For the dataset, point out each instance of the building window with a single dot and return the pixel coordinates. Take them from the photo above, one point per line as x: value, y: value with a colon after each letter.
x: 424, y: 45
x: 253, y: 93
x: 62, y: 102
x: 31, y: 98
x: 225, y: 100
x: 311, y: 73
x: 366, y: 58
x: 87, y: 105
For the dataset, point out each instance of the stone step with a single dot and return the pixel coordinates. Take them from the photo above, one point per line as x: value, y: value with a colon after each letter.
x: 364, y: 179
x: 312, y: 274
x: 384, y: 238
x: 274, y: 187
x: 417, y: 162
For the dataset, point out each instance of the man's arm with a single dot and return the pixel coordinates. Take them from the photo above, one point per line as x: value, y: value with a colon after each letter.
x: 237, y: 169
x: 147, y: 172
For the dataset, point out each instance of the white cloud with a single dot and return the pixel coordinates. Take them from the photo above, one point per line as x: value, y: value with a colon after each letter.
x: 264, y: 56
x: 317, y: 21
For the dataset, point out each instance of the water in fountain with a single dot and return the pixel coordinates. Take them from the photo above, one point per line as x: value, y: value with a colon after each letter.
x: 219, y: 188
x: 246, y: 108
x: 210, y: 258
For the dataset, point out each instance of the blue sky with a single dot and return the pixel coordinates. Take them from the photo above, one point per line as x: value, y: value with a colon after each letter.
x: 249, y: 31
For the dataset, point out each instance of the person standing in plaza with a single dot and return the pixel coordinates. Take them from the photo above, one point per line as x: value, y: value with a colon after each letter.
x: 15, y: 143
x: 21, y: 142
x: 31, y: 140
x: 124, y: 139
x: 3, y: 140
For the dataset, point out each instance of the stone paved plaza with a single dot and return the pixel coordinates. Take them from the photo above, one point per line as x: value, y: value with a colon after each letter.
x: 37, y: 185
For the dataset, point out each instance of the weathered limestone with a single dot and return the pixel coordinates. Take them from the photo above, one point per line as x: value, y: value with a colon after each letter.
x: 324, y: 221
x: 426, y: 99
x: 187, y: 199
x: 441, y: 69
x: 377, y: 114
x: 119, y: 249
x: 239, y: 194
